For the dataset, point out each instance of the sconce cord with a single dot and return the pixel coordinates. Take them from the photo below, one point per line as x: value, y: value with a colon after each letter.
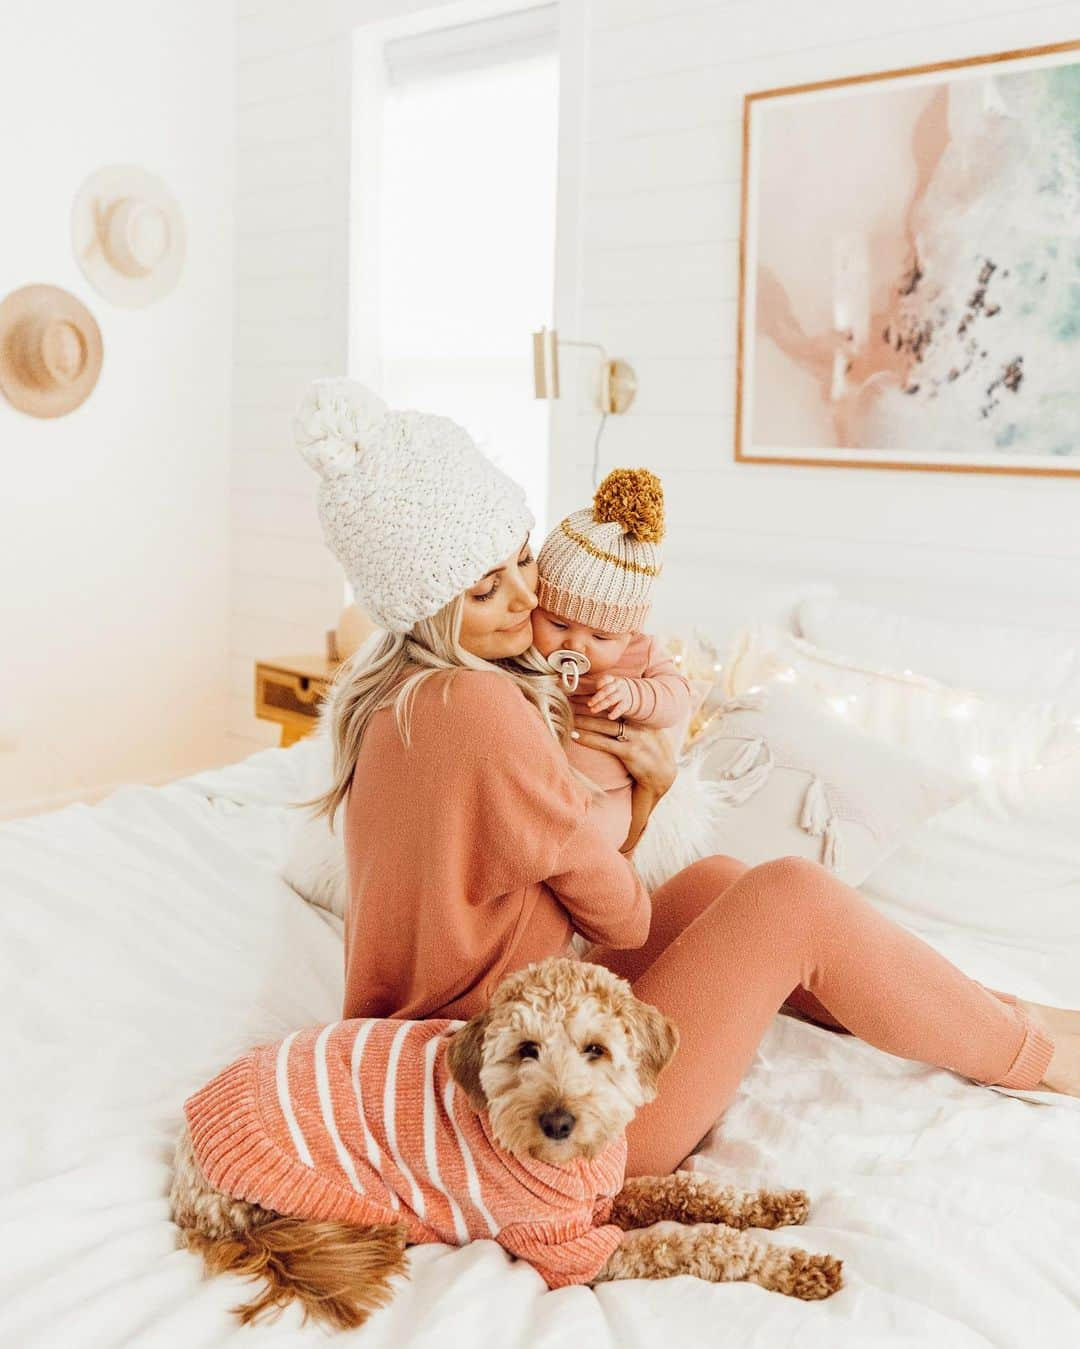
x: 596, y: 450
x: 596, y: 346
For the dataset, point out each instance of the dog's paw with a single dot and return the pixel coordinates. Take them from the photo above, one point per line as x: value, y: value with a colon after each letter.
x: 784, y: 1208
x: 771, y: 1208
x: 813, y: 1277
x: 698, y: 1198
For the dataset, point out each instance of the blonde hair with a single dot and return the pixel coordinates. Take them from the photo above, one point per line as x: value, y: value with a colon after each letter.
x: 367, y: 681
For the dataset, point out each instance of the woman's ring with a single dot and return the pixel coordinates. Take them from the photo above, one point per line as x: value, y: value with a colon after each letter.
x: 622, y: 730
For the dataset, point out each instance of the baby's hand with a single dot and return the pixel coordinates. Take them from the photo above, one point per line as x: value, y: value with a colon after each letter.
x: 612, y: 696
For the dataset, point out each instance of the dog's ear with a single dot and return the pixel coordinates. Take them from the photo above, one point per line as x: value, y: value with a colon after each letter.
x: 655, y: 1041
x: 465, y: 1054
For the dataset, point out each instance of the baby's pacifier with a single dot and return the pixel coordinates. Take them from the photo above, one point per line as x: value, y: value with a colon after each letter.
x: 570, y: 666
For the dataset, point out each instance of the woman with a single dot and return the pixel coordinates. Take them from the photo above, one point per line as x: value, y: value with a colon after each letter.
x: 469, y: 844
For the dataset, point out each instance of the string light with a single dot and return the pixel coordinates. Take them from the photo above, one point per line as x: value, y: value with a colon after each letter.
x: 697, y: 658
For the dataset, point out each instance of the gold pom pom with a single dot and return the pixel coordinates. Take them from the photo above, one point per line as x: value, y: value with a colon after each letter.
x: 633, y: 498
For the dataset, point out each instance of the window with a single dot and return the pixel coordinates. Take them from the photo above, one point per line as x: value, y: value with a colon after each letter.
x: 465, y: 231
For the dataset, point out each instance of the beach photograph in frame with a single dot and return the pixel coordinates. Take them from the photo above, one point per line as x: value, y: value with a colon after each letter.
x: 909, y: 288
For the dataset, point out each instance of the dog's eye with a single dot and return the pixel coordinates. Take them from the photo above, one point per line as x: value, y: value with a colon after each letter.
x: 528, y: 1049
x: 594, y: 1051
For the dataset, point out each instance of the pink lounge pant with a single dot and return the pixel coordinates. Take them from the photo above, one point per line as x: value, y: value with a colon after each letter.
x: 730, y: 944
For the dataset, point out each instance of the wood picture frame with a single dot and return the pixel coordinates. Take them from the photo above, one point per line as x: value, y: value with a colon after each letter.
x: 932, y: 341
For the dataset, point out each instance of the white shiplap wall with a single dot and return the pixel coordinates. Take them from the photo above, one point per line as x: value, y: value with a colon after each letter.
x: 651, y: 270
x: 291, y: 300
x: 659, y: 284
x: 285, y: 588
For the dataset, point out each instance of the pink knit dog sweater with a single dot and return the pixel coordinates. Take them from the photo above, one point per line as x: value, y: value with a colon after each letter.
x: 361, y: 1121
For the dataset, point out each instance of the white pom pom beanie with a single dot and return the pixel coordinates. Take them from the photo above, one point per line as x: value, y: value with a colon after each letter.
x: 409, y: 506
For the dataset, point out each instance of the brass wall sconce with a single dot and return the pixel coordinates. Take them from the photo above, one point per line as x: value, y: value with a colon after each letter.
x: 618, y: 382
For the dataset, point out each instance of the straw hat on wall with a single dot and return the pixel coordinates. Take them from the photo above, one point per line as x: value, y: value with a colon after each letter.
x: 50, y: 351
x: 127, y: 230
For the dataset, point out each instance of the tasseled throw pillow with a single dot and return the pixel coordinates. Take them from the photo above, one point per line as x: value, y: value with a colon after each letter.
x: 794, y: 780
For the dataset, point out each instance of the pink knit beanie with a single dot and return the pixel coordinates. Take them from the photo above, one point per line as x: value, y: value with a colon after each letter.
x: 598, y: 565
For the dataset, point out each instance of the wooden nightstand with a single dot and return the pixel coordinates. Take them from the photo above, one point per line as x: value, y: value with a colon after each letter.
x: 289, y: 692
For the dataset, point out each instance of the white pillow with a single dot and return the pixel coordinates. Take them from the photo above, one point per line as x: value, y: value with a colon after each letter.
x: 1003, y: 862
x: 796, y: 780
x: 314, y: 853
x: 959, y: 731
x: 994, y: 884
x: 994, y: 881
x: 1033, y: 664
x: 682, y: 827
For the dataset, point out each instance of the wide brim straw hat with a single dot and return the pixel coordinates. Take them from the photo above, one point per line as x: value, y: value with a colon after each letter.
x: 50, y: 350
x: 127, y: 230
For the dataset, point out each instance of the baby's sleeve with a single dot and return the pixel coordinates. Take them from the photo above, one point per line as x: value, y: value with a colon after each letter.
x: 662, y: 696
x: 562, y: 1254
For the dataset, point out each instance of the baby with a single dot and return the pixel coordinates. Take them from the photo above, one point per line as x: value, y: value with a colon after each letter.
x: 596, y: 572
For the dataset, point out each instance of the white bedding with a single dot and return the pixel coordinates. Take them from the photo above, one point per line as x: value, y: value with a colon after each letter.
x: 145, y: 940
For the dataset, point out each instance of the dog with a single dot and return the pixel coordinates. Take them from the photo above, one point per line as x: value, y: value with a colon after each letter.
x: 511, y: 1125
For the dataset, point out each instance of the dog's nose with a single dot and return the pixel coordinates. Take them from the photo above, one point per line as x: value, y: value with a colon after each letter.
x: 557, y: 1124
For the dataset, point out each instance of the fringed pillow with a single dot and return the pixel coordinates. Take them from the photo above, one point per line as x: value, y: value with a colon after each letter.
x: 793, y: 781
x: 682, y: 827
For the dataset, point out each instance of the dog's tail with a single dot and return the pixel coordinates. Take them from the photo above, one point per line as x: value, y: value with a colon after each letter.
x: 339, y: 1273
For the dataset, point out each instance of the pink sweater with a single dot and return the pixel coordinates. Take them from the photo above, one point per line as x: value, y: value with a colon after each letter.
x: 663, y: 698
x: 360, y: 1121
x: 470, y: 854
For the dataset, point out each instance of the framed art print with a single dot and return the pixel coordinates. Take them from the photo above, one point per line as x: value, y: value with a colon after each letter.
x: 909, y: 289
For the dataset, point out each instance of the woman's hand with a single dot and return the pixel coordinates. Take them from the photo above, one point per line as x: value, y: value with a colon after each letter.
x: 649, y: 759
x: 646, y: 751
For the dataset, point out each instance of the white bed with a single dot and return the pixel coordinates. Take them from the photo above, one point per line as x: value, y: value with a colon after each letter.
x: 146, y: 939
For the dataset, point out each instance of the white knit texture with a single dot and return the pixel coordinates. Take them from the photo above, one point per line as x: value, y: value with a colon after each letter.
x: 410, y: 507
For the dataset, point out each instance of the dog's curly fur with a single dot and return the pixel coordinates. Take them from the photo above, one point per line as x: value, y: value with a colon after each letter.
x: 598, y: 1054
x: 563, y: 1007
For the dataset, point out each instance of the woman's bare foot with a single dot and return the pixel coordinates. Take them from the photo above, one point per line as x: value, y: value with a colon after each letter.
x: 1063, y: 1026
